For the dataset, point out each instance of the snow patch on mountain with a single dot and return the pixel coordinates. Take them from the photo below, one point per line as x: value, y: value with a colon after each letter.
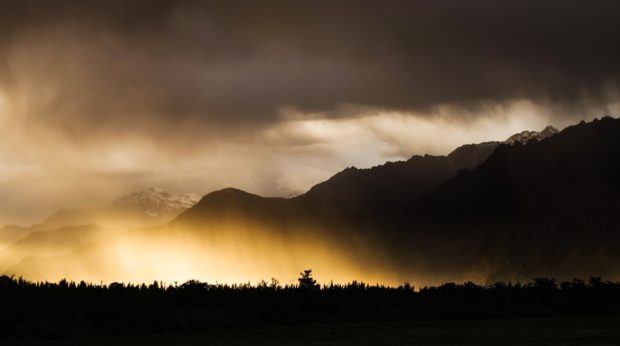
x: 526, y: 136
x: 156, y: 202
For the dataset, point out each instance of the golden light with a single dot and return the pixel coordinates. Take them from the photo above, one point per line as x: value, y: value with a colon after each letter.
x: 3, y: 105
x: 227, y: 253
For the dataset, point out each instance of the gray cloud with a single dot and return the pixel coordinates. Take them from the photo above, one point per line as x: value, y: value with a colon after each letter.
x: 241, y: 61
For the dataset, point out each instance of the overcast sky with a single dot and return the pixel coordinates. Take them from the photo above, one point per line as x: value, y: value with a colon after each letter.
x: 98, y: 99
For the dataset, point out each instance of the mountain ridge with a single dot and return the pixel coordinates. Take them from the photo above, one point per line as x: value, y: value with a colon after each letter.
x: 537, y: 206
x: 531, y: 206
x: 421, y: 221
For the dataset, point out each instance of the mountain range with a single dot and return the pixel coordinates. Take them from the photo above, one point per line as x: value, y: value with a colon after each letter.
x: 538, y: 204
x: 65, y: 230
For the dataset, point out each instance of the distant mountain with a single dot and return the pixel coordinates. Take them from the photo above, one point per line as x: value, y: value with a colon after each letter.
x: 155, y: 202
x: 67, y: 230
x: 9, y: 234
x: 139, y: 209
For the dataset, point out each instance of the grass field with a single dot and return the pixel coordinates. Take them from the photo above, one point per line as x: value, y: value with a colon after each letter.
x: 598, y: 330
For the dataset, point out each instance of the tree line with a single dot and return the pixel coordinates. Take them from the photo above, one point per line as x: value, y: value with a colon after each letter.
x: 77, y: 309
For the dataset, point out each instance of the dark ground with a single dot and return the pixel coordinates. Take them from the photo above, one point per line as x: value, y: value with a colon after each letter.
x: 597, y: 330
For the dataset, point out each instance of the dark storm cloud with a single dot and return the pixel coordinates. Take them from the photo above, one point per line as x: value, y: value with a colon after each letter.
x: 98, y: 98
x: 131, y: 62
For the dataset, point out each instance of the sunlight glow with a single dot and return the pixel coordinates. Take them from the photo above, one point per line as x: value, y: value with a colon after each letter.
x: 3, y: 106
x: 224, y: 254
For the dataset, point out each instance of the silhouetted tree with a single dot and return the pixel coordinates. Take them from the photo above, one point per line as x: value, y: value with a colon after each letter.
x: 306, y: 281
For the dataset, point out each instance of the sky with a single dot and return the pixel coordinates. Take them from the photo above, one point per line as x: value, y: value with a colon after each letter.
x: 101, y: 98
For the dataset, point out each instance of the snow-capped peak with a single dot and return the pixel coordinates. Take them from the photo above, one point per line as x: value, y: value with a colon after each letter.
x: 156, y: 202
x: 526, y: 136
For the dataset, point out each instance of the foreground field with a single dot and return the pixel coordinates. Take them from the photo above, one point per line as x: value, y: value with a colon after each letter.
x: 599, y: 330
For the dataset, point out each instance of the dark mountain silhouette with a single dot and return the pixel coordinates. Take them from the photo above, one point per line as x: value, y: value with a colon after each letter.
x: 348, y: 193
x: 232, y: 203
x: 491, y: 211
x: 331, y: 210
x: 529, y: 210
x: 356, y: 191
